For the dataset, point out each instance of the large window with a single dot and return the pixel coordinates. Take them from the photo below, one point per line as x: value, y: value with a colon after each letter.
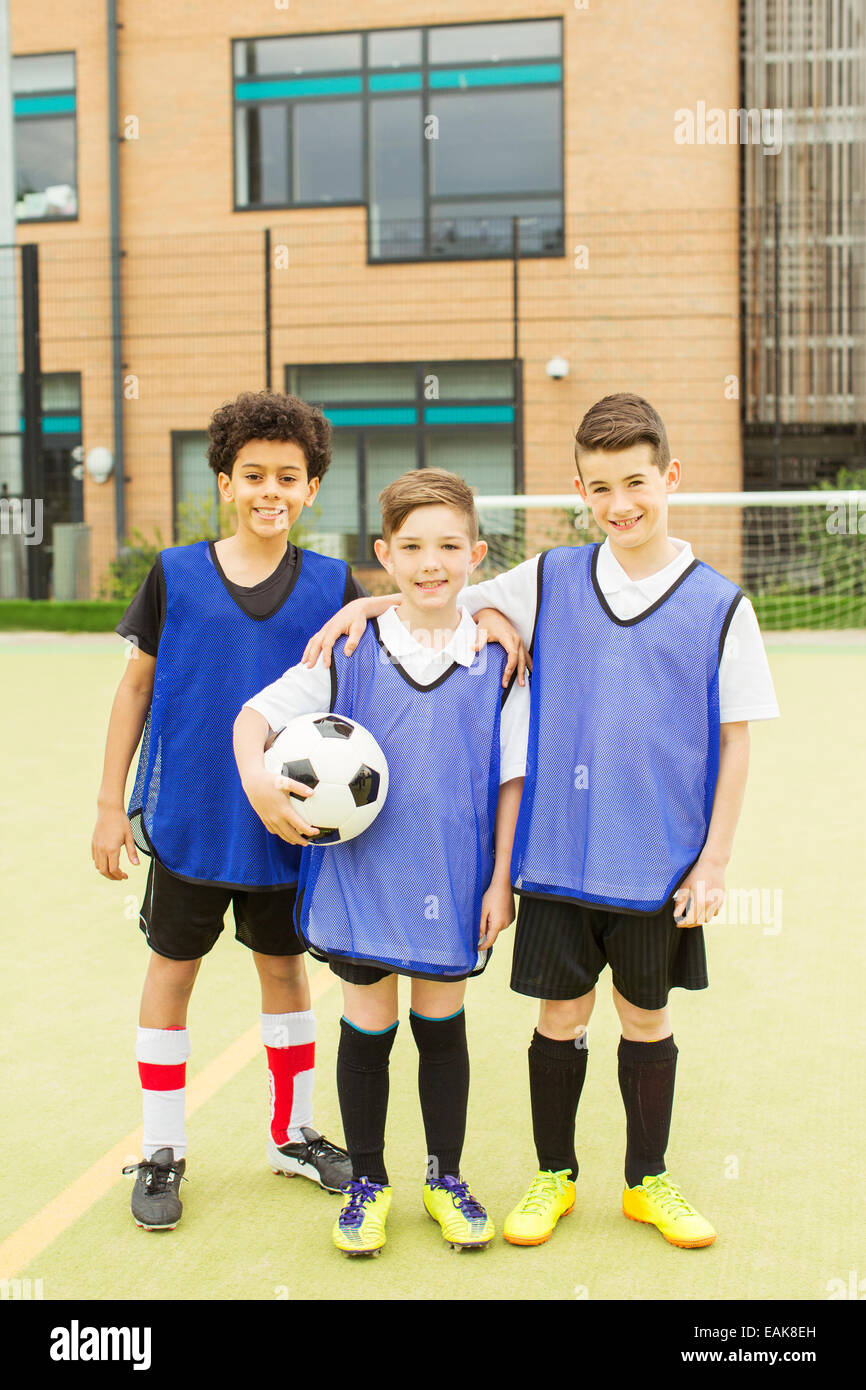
x: 389, y: 418
x: 195, y: 490
x: 59, y: 471
x: 445, y: 134
x: 43, y: 88
x: 60, y: 394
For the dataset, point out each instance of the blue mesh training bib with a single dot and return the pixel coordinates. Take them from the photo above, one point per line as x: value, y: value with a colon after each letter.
x: 187, y: 805
x: 624, y: 737
x: 406, y: 894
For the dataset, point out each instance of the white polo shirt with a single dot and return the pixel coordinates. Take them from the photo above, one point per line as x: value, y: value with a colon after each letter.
x: 745, y: 685
x: 306, y: 690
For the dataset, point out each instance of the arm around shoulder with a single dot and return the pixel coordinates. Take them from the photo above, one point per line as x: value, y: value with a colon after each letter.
x: 350, y: 621
x: 514, y: 593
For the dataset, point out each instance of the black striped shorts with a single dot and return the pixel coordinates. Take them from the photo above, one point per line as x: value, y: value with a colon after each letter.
x: 561, y: 948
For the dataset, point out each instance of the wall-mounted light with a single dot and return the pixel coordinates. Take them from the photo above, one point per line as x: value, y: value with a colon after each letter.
x: 557, y: 367
x: 99, y: 464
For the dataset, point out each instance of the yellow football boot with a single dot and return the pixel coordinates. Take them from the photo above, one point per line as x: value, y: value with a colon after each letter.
x: 532, y: 1222
x: 360, y: 1227
x: 657, y: 1201
x: 464, y: 1222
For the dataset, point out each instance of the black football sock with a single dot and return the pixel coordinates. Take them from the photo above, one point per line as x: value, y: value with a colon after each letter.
x: 362, y: 1086
x: 646, y: 1079
x: 443, y: 1089
x: 557, y: 1070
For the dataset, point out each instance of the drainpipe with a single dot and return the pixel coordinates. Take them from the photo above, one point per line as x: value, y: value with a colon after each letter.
x: 114, y: 140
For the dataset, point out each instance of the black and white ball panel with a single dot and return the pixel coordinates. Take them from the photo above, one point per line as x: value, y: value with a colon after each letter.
x: 341, y: 763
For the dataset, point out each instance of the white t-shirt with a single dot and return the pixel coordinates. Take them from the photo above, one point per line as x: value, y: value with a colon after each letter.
x: 306, y: 690
x: 745, y: 684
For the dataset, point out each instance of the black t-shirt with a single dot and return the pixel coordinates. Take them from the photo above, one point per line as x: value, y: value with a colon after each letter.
x: 145, y: 615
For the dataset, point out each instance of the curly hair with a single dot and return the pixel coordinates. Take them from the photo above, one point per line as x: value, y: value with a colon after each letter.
x: 269, y: 415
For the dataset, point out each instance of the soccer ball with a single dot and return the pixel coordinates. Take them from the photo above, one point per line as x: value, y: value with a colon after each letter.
x: 343, y: 764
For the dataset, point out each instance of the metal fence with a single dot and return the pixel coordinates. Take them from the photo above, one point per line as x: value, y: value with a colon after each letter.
x: 484, y: 365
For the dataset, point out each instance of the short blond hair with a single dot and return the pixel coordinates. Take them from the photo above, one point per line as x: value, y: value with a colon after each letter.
x: 426, y: 487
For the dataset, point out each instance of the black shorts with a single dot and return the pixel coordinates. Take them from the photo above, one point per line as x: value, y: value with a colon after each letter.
x: 358, y: 972
x: 561, y: 948
x: 182, y: 920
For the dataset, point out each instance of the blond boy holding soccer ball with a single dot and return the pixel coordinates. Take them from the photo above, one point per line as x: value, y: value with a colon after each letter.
x: 424, y: 891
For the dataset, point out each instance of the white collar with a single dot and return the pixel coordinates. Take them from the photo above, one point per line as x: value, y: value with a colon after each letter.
x: 400, y: 641
x: 612, y: 577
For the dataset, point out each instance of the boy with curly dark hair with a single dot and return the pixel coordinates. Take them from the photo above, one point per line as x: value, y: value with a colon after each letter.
x: 212, y: 623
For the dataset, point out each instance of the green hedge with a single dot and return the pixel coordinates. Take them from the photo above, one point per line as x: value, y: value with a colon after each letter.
x: 776, y: 612
x: 44, y: 615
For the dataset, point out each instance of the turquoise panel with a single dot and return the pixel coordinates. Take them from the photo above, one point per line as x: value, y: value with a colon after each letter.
x: 395, y: 82
x: 44, y: 106
x: 468, y: 414
x: 387, y: 415
x: 296, y: 87
x: 58, y: 424
x: 495, y: 77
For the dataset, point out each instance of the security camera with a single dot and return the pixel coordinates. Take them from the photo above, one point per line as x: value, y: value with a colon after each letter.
x: 557, y: 367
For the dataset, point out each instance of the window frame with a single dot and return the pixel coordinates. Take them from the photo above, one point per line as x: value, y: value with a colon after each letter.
x: 426, y: 93
x: 177, y: 436
x: 421, y: 428
x: 64, y: 116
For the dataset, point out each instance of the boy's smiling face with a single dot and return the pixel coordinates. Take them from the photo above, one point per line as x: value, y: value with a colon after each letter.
x: 431, y: 556
x: 627, y: 494
x: 268, y: 486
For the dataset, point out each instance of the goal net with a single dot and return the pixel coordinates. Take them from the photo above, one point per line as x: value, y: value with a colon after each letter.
x: 799, y: 556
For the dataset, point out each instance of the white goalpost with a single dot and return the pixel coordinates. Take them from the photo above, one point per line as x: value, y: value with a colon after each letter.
x: 799, y: 556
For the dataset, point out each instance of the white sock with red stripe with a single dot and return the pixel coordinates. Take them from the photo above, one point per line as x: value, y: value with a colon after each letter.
x: 290, y: 1042
x: 162, y: 1055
